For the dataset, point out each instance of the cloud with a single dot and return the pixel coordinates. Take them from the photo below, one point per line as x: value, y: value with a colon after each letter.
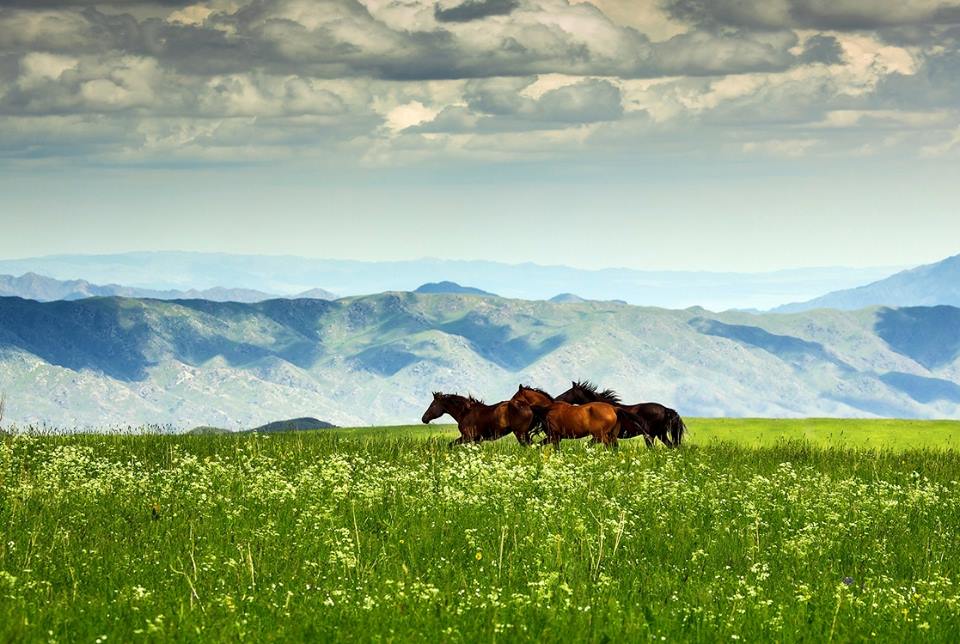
x: 474, y: 10
x: 949, y: 143
x: 345, y: 38
x: 438, y: 77
x: 822, y: 48
x: 843, y: 15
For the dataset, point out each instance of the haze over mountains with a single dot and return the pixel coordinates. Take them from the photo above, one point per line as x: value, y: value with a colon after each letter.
x: 375, y: 359
x: 927, y: 285
x: 286, y: 275
x: 46, y: 289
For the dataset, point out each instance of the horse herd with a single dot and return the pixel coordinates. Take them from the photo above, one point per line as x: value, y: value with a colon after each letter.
x: 579, y: 412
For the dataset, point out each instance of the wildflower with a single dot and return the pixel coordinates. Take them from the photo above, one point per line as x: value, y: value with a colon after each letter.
x: 479, y: 555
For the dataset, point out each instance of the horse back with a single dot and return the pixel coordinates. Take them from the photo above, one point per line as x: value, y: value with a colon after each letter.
x: 651, y: 411
x: 599, y: 411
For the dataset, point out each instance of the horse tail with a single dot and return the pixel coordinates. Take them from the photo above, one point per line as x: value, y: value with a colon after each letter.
x: 631, y: 424
x: 676, y: 427
x: 539, y: 424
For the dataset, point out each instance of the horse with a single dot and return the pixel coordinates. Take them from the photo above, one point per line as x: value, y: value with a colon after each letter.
x: 533, y: 396
x: 599, y: 420
x: 481, y: 422
x: 664, y: 423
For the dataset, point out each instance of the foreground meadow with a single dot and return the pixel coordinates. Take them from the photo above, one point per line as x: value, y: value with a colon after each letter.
x: 388, y: 535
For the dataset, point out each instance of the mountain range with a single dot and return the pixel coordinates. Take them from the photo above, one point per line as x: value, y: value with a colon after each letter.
x: 288, y: 275
x: 927, y: 285
x: 47, y: 289
x: 375, y: 359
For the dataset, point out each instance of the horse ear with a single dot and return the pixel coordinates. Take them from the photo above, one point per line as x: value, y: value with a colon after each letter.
x: 573, y: 382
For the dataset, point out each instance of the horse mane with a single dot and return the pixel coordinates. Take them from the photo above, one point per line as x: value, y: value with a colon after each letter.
x: 538, y: 390
x: 467, y: 399
x: 607, y: 395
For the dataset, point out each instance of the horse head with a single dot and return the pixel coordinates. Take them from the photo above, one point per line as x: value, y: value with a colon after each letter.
x: 436, y: 408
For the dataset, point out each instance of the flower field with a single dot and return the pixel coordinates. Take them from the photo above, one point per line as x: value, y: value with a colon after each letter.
x: 366, y: 536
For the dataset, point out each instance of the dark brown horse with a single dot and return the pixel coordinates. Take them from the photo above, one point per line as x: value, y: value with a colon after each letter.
x: 480, y: 422
x: 601, y: 421
x: 664, y: 423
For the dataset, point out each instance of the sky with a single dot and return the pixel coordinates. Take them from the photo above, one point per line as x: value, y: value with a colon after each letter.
x: 728, y: 135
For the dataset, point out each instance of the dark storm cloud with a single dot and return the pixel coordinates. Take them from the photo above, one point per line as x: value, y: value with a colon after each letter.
x: 817, y: 14
x: 340, y: 39
x: 475, y: 10
x: 70, y: 31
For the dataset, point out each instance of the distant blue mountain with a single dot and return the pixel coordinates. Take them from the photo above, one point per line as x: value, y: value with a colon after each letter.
x: 450, y: 287
x: 288, y: 275
x: 32, y: 286
x: 927, y: 285
x: 567, y: 298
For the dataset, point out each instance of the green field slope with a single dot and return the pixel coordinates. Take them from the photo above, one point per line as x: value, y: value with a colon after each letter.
x: 387, y: 535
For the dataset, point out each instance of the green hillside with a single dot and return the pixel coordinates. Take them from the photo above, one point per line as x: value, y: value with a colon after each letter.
x: 375, y: 359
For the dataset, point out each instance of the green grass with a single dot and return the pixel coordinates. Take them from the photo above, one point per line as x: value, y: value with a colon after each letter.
x: 763, y: 432
x: 384, y: 534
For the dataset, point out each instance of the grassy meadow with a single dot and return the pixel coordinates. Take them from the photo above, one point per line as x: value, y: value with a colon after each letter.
x: 813, y: 530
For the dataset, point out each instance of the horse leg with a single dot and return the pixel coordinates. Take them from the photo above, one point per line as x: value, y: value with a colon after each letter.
x: 648, y: 439
x: 523, y: 437
x: 458, y: 441
x: 555, y: 438
x: 612, y: 436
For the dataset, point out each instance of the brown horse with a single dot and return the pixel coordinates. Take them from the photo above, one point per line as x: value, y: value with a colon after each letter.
x: 534, y: 397
x: 663, y: 423
x: 480, y: 422
x: 599, y: 420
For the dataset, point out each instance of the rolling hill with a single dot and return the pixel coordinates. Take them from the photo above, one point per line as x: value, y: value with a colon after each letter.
x: 375, y: 359
x: 293, y: 425
x: 927, y: 285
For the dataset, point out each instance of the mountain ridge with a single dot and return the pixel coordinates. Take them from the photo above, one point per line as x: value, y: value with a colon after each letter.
x: 291, y: 274
x: 34, y: 286
x: 927, y: 285
x: 375, y: 359
x: 449, y: 287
